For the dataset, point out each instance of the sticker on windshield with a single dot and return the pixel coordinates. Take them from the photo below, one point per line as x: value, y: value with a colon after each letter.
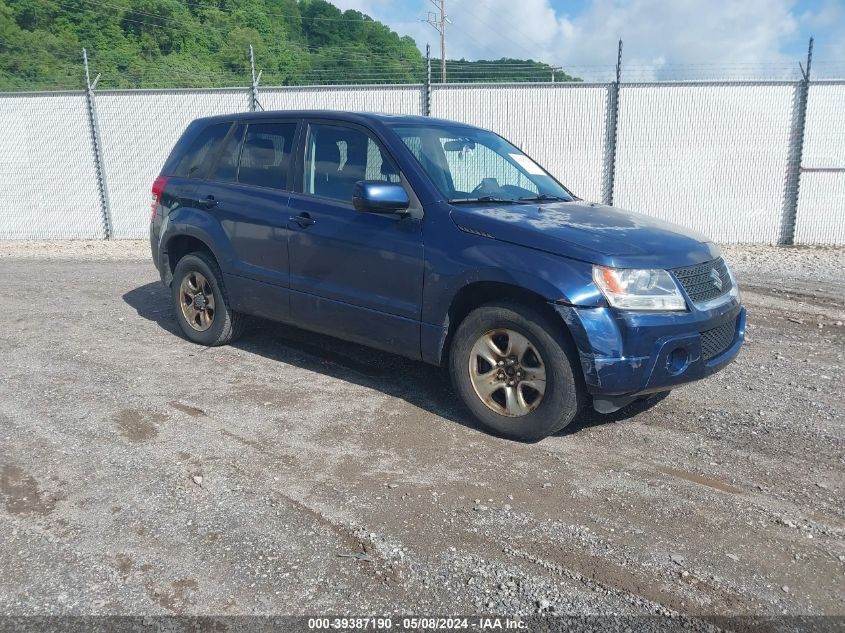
x: 528, y: 165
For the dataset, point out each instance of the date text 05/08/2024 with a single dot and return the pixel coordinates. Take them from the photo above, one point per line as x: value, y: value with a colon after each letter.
x: 417, y: 624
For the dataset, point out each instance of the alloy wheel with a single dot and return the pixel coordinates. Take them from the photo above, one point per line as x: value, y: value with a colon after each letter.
x: 507, y: 372
x: 197, y: 301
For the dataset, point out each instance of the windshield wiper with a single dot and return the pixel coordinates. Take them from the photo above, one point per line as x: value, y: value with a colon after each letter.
x: 541, y: 197
x: 482, y: 199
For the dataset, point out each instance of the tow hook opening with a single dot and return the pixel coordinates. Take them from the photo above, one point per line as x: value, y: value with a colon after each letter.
x: 677, y: 361
x: 611, y: 405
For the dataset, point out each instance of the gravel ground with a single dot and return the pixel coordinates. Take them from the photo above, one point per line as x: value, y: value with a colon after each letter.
x: 141, y: 474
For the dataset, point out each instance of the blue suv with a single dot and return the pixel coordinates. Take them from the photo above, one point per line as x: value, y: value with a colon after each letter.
x: 444, y: 243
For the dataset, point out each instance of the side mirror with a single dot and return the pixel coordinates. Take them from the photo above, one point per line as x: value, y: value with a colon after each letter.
x: 377, y: 196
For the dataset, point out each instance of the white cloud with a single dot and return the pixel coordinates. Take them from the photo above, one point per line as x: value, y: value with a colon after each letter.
x: 369, y: 7
x: 662, y: 39
x: 828, y: 25
x: 659, y: 37
x: 396, y: 16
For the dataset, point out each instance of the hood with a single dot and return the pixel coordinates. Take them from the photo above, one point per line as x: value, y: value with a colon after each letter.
x: 590, y: 232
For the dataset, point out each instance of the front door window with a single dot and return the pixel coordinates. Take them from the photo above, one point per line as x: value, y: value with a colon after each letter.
x: 338, y: 157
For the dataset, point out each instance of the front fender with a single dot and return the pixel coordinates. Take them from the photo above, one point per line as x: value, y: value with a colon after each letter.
x: 456, y: 259
x: 472, y: 259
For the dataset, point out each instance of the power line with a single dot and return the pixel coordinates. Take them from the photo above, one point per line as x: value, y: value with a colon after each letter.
x: 182, y: 3
x: 68, y: 56
x: 467, y: 70
x: 366, y: 19
x: 345, y: 64
x: 171, y: 22
x: 500, y: 32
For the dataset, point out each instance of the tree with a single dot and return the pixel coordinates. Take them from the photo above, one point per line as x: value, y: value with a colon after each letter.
x: 199, y: 43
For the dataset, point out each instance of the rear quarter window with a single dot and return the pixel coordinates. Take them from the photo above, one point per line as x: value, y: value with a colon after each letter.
x: 200, y: 153
x: 227, y: 165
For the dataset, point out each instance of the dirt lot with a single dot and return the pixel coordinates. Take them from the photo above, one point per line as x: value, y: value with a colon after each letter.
x: 142, y: 474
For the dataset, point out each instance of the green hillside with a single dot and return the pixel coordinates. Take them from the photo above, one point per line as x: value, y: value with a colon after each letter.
x: 193, y: 43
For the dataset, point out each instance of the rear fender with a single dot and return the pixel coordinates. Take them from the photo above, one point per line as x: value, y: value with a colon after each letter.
x: 205, y: 228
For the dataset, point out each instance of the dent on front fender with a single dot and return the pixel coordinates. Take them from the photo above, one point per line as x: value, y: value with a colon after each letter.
x: 596, y: 336
x: 457, y: 260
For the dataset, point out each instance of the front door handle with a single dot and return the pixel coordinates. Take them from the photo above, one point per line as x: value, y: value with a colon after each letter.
x: 303, y: 220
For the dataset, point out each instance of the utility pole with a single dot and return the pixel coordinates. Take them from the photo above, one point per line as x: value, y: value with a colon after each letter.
x: 443, y: 40
x: 438, y: 21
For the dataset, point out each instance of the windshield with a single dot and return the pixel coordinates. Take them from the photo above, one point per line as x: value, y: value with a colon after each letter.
x: 471, y: 165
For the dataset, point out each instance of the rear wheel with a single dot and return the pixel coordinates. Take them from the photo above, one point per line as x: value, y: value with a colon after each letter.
x: 201, y: 303
x: 515, y: 371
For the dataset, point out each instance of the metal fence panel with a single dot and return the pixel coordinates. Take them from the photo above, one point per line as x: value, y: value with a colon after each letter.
x: 562, y: 126
x: 821, y: 196
x: 390, y: 99
x: 139, y: 128
x: 712, y: 157
x: 49, y: 186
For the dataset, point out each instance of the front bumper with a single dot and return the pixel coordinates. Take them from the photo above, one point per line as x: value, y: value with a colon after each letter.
x: 628, y: 354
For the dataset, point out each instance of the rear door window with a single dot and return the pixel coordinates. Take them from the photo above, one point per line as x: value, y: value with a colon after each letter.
x: 266, y: 155
x: 202, y: 152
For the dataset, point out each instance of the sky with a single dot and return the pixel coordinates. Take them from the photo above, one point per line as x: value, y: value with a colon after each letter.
x: 662, y: 39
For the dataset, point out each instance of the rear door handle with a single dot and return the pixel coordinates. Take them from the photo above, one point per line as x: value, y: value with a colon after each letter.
x: 209, y: 202
x: 303, y: 220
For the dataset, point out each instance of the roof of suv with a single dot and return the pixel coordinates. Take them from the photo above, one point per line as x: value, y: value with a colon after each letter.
x: 352, y: 117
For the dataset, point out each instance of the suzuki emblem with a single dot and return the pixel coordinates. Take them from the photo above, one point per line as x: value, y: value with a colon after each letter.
x: 717, y: 278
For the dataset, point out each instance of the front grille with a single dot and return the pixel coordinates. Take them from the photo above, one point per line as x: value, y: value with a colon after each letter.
x: 717, y: 340
x: 700, y: 282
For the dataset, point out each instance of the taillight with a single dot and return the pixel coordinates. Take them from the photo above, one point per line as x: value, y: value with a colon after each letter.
x: 158, y: 188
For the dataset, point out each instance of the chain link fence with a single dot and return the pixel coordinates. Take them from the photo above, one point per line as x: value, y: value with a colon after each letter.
x: 49, y: 179
x: 396, y: 99
x: 138, y: 129
x: 724, y: 158
x: 821, y: 198
x: 712, y: 157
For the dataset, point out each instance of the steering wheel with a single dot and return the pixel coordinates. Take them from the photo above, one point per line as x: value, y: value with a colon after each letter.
x: 487, y: 187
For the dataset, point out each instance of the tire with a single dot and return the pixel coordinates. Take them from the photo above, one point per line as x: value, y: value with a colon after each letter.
x: 549, y: 353
x: 221, y: 325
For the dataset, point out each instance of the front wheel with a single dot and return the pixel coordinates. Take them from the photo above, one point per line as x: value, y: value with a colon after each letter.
x: 515, y: 371
x: 201, y: 303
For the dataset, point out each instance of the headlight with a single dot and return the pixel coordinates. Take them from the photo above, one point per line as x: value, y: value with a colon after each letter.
x: 631, y: 289
x: 735, y: 293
